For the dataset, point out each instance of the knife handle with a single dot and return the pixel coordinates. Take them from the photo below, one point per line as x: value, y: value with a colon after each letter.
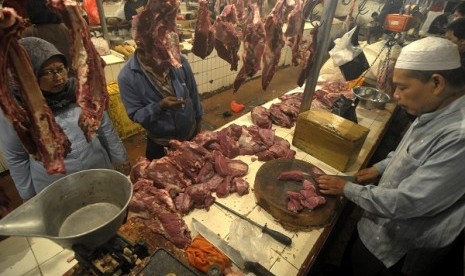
x: 257, y: 269
x: 277, y: 236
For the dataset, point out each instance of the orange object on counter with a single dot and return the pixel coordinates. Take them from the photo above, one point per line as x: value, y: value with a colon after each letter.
x: 202, y: 254
x: 357, y: 82
x: 236, y: 107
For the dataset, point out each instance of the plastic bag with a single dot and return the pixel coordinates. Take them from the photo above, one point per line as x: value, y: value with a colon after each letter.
x: 90, y: 6
x: 250, y: 241
x: 345, y: 108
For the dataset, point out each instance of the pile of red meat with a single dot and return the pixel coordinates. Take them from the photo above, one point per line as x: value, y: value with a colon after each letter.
x: 282, y: 114
x: 193, y: 170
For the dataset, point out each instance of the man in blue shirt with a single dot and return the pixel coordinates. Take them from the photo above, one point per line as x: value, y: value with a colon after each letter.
x: 416, y: 215
x: 165, y: 102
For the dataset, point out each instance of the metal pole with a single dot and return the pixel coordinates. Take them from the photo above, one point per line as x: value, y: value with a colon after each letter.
x: 103, y: 21
x: 329, y: 9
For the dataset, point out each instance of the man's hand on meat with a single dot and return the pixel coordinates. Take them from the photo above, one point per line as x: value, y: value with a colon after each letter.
x: 7, y: 17
x: 331, y: 185
x: 172, y: 102
x: 124, y: 168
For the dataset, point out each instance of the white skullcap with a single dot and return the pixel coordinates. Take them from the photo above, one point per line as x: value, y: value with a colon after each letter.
x: 429, y: 54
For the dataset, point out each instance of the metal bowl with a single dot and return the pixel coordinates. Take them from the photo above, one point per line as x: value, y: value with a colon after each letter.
x: 84, y: 208
x: 370, y: 97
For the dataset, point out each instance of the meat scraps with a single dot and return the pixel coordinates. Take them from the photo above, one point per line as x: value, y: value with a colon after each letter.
x: 32, y: 119
x: 204, y: 32
x: 91, y: 93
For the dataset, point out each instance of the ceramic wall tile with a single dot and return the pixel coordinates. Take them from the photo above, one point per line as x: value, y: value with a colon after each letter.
x: 302, y: 242
x: 283, y: 267
x: 16, y: 257
x: 34, y: 272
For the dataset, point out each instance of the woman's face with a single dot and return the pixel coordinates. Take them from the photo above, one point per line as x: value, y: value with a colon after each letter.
x: 53, y: 76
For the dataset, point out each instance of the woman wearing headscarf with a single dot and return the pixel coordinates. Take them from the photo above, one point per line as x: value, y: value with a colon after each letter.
x: 104, y: 151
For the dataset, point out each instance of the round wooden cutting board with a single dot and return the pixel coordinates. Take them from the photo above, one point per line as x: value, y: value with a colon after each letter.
x: 271, y: 195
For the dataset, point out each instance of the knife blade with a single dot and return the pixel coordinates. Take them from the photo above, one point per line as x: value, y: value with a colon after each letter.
x: 229, y: 251
x: 272, y: 233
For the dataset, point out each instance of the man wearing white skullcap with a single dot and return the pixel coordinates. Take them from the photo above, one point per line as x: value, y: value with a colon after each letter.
x: 413, y: 220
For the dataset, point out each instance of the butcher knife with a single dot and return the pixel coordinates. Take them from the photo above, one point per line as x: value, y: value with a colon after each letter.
x: 274, y: 234
x: 232, y: 253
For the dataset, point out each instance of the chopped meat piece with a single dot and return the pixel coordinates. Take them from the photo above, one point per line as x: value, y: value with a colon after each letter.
x: 227, y: 167
x: 308, y: 57
x: 293, y: 175
x: 261, y: 117
x: 138, y: 169
x: 279, y: 117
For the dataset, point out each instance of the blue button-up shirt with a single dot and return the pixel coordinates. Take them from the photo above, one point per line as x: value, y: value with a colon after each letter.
x: 420, y: 199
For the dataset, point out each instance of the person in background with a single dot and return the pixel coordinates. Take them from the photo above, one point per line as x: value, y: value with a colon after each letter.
x: 389, y: 7
x: 47, y: 25
x: 104, y: 151
x: 413, y: 220
x: 459, y: 11
x: 374, y: 28
x: 165, y: 102
x: 130, y: 8
x: 455, y: 32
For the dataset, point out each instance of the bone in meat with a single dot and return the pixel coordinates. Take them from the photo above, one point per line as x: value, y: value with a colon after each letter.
x: 254, y: 46
x: 274, y: 42
x: 91, y: 93
x: 34, y: 122
x: 227, y: 39
x: 204, y: 32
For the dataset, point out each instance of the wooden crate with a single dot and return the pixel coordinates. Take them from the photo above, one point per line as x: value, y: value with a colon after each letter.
x: 329, y: 138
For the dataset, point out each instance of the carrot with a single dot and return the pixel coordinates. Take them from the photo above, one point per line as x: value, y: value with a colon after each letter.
x: 202, y: 254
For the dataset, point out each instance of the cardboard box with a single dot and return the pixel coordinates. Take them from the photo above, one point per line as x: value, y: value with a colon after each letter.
x: 329, y: 138
x: 123, y: 125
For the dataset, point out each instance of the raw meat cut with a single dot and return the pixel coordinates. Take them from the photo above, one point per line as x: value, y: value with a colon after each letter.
x: 254, y: 46
x: 308, y: 57
x: 156, y: 35
x: 204, y: 38
x: 227, y: 39
x: 91, y: 92
x: 274, y: 42
x: 294, y: 32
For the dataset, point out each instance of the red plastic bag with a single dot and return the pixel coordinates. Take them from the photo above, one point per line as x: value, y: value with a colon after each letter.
x: 90, y: 6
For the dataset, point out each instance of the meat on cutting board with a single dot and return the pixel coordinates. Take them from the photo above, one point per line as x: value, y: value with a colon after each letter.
x: 204, y: 39
x: 32, y: 119
x: 274, y: 42
x: 227, y: 38
x: 293, y: 175
x: 91, y: 93
x: 254, y: 46
x: 307, y: 197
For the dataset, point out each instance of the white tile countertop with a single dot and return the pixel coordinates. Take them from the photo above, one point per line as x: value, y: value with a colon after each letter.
x: 38, y: 256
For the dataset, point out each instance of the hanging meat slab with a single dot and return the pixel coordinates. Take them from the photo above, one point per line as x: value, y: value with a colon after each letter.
x: 156, y: 35
x: 309, y: 57
x: 32, y: 120
x: 254, y: 46
x: 91, y: 93
x: 227, y: 38
x: 274, y: 42
x: 294, y: 32
x: 204, y: 32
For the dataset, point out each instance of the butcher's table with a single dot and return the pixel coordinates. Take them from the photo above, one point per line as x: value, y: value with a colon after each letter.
x: 298, y: 258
